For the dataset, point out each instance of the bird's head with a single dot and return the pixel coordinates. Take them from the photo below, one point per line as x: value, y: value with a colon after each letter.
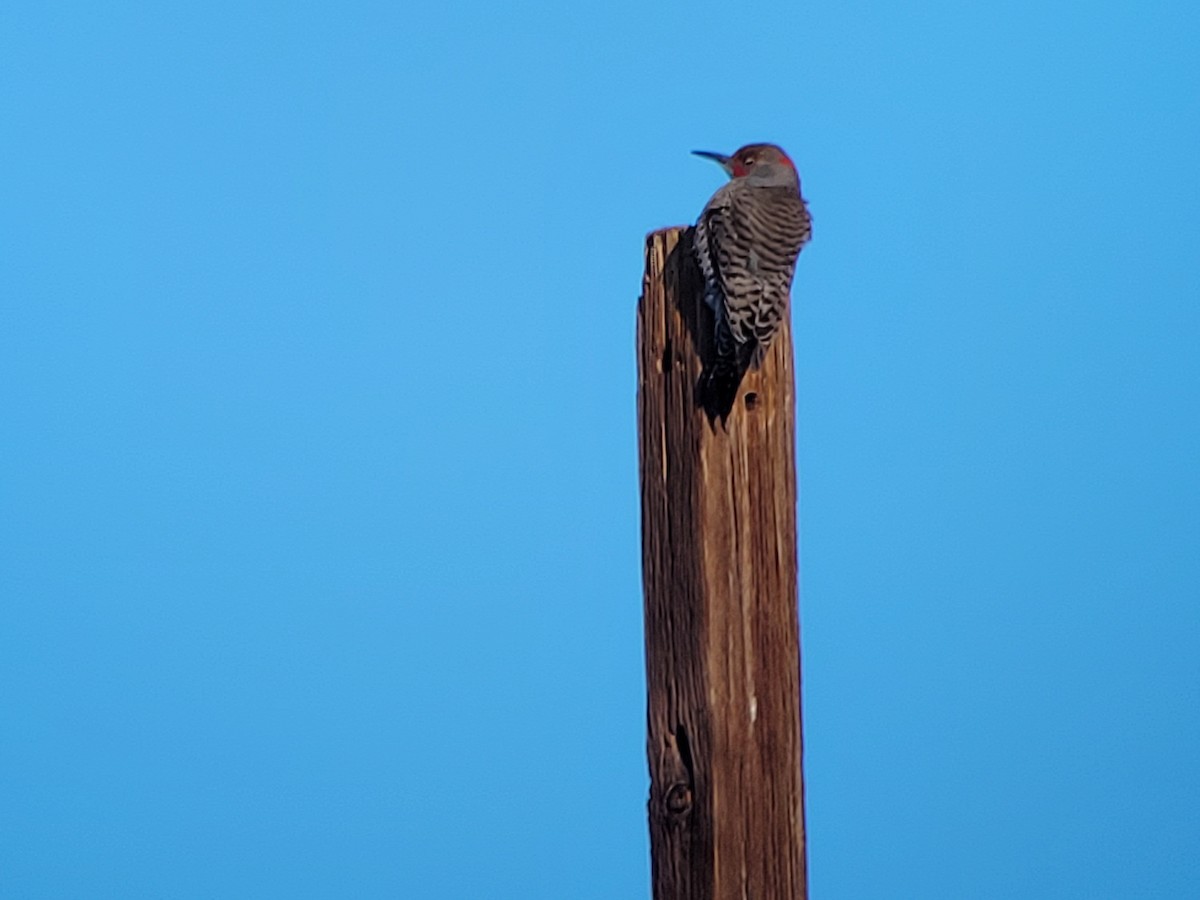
x: 762, y: 164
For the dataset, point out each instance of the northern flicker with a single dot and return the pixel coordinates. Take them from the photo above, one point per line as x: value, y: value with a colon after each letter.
x: 746, y: 243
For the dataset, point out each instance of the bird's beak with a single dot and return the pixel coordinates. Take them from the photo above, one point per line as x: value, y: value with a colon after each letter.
x: 721, y: 160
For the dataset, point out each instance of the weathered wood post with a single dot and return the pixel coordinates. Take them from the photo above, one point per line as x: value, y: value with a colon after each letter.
x: 719, y: 571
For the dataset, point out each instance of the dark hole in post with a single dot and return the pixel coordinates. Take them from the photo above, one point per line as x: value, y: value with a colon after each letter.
x: 751, y: 400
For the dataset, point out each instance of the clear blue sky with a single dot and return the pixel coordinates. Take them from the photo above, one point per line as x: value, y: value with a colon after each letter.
x: 319, y: 552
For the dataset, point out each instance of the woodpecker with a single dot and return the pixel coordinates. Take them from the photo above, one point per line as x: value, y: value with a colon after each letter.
x: 746, y: 243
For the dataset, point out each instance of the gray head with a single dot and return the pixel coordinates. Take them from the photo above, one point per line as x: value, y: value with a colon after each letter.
x: 762, y: 165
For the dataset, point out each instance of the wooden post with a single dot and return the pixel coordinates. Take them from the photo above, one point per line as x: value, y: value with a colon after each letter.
x: 719, y: 571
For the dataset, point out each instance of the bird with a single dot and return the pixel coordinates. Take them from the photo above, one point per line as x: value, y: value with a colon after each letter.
x: 746, y: 243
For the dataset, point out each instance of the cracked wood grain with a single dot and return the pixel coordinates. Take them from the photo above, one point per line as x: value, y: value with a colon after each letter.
x: 726, y: 807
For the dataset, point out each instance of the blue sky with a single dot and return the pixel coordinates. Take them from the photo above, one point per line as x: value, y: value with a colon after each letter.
x: 319, y: 555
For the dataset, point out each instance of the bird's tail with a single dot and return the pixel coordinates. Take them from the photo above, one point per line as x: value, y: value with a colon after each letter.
x: 720, y: 380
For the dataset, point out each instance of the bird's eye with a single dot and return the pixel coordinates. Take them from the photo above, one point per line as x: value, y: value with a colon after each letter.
x: 749, y: 160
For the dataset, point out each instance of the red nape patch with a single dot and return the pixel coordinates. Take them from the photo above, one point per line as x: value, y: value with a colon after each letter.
x: 784, y: 158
